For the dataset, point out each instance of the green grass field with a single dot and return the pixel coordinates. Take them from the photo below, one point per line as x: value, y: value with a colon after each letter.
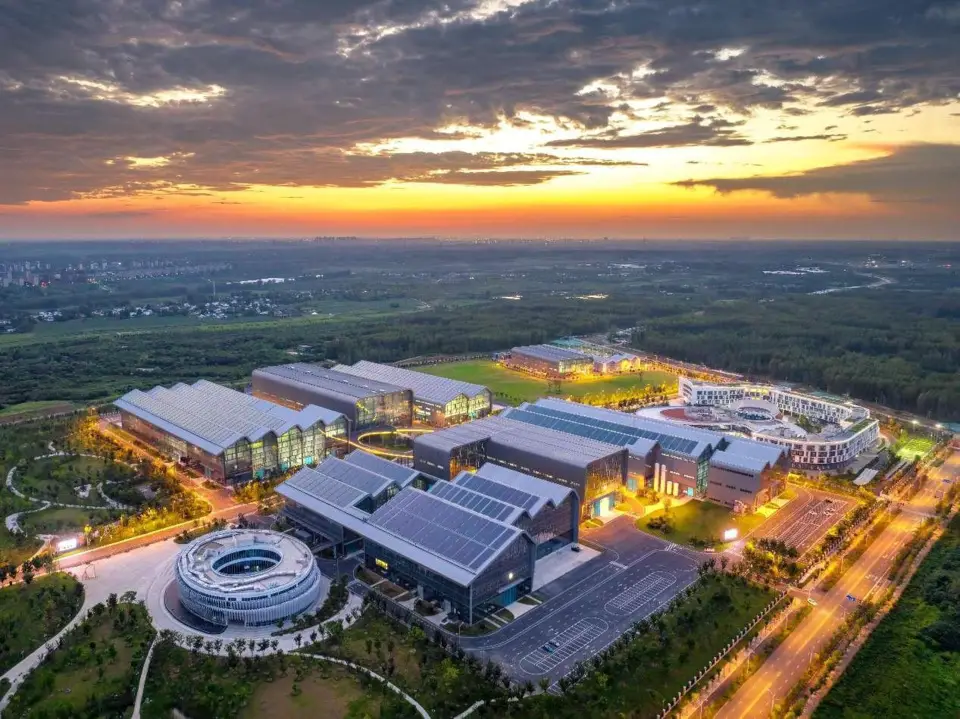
x: 57, y: 478
x: 700, y: 521
x: 519, y: 387
x: 30, y: 408
x: 64, y: 519
x: 910, y: 665
x: 911, y: 446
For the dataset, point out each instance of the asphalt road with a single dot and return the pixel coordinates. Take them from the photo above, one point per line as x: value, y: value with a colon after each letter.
x: 589, y: 608
x: 790, y: 660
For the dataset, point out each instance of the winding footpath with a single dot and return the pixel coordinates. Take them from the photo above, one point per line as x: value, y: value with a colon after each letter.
x: 12, y: 521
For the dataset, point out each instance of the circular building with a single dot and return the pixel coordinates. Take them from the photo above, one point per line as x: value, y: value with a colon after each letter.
x: 249, y: 577
x: 756, y: 410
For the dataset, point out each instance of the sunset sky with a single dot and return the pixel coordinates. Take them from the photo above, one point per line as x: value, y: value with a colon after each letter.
x: 508, y: 118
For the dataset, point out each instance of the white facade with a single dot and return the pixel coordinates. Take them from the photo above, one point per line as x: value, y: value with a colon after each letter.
x: 248, y: 577
x: 856, y: 431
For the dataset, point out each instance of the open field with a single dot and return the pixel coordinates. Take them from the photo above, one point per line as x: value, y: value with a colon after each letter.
x: 326, y: 690
x: 519, y: 387
x: 910, y: 665
x: 699, y: 523
x: 27, y: 410
x: 32, y: 613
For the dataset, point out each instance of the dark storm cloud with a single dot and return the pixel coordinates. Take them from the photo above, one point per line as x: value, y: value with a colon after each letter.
x: 914, y: 173
x: 293, y: 86
x: 719, y: 133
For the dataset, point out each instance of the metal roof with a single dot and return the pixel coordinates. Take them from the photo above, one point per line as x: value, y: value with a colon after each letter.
x: 476, y: 501
x: 316, y: 377
x: 550, y: 353
x: 371, y: 483
x: 446, y: 530
x: 524, y: 491
x: 401, y: 475
x: 614, y: 427
x: 214, y: 418
x: 507, y: 432
x: 438, y: 390
x: 320, y: 485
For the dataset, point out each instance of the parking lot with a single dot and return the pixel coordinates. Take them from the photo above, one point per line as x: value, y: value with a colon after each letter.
x: 589, y: 608
x: 806, y: 518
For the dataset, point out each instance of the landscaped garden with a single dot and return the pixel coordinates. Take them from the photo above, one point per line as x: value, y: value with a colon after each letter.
x: 69, y: 480
x: 515, y: 387
x: 698, y: 523
x: 94, y: 671
x: 33, y: 612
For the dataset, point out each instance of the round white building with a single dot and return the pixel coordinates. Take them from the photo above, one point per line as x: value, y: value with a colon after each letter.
x: 249, y: 577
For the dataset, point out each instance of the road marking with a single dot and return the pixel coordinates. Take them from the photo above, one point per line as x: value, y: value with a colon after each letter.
x: 638, y: 594
x: 570, y: 641
x: 618, y: 565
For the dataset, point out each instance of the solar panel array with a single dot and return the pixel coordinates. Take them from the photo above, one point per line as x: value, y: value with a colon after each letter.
x: 443, y: 529
x: 384, y: 467
x: 598, y: 429
x: 216, y: 414
x: 323, y: 487
x: 473, y: 501
x: 549, y: 353
x: 366, y: 481
x: 516, y: 497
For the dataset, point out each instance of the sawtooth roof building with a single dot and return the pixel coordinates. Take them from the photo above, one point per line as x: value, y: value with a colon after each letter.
x: 363, y: 401
x: 549, y: 361
x: 470, y: 545
x: 670, y: 457
x: 226, y: 434
x: 437, y: 401
x: 595, y: 470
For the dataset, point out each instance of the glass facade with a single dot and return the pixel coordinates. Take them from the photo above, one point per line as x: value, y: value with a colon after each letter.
x: 392, y: 410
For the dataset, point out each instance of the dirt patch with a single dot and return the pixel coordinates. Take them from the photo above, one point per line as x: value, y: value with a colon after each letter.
x: 327, y: 691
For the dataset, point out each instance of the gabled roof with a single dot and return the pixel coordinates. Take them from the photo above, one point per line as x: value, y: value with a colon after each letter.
x: 437, y: 390
x: 214, y: 417
x: 524, y: 493
x: 747, y: 455
x: 401, y: 475
x: 316, y: 377
x: 550, y: 353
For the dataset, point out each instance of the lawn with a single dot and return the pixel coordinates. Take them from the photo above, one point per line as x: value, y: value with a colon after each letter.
x: 326, y: 690
x: 64, y: 519
x: 699, y: 523
x: 515, y: 387
x: 57, y: 479
x: 94, y: 671
x: 636, y: 679
x: 910, y: 665
x: 444, y: 685
x: 32, y: 613
x: 14, y: 548
x: 27, y: 409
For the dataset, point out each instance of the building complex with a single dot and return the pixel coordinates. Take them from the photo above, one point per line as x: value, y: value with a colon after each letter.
x: 667, y: 456
x: 470, y: 544
x: 820, y: 431
x: 549, y: 361
x: 228, y: 435
x: 248, y: 577
x: 364, y: 402
x: 594, y: 470
x: 437, y: 401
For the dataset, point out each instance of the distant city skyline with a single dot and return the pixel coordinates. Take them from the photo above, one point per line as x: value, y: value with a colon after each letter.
x: 804, y: 119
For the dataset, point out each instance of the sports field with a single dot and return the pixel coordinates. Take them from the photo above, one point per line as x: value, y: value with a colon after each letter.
x: 515, y: 387
x: 911, y: 446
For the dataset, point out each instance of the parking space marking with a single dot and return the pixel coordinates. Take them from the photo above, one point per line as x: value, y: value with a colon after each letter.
x: 635, y: 596
x: 570, y: 641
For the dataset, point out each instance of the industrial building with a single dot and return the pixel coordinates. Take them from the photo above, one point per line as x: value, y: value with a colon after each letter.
x: 364, y: 402
x: 447, y: 546
x: 437, y: 401
x: 670, y: 457
x: 247, y: 577
x: 227, y: 435
x: 549, y: 361
x: 843, y: 430
x: 594, y: 470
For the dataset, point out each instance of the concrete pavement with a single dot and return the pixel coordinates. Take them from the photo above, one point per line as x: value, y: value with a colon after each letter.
x: 781, y: 671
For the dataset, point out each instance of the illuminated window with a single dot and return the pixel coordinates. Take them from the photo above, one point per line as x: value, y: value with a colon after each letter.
x: 382, y: 564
